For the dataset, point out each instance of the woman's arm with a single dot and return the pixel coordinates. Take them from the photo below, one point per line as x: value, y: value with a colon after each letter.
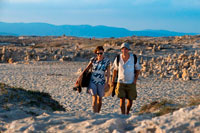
x: 88, y: 67
x: 108, y: 74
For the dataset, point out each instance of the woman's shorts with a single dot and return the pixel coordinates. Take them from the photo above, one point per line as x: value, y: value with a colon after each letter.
x: 127, y: 91
x: 96, y: 89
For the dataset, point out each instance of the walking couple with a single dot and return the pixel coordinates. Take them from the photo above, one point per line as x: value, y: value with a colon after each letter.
x: 126, y: 69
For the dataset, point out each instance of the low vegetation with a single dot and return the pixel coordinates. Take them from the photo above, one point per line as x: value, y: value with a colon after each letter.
x: 194, y: 100
x: 12, y: 98
x: 159, y: 108
x: 162, y: 107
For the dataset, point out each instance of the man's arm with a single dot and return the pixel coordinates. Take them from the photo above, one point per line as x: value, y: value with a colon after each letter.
x: 137, y: 72
x: 114, y: 76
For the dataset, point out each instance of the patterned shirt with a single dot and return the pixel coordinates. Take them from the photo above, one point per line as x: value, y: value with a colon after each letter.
x: 98, y: 70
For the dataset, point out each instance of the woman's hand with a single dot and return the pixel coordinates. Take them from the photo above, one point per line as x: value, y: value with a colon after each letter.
x: 113, y: 83
x: 76, y: 82
x: 107, y: 86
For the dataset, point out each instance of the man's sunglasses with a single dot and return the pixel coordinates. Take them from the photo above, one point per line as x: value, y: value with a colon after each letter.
x: 99, y: 53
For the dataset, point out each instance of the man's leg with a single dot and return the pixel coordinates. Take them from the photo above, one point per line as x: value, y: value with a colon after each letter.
x: 99, y: 103
x: 122, y: 105
x: 129, y: 104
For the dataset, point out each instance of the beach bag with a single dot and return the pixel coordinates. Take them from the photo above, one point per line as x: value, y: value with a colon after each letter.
x: 85, y: 80
x: 115, y: 84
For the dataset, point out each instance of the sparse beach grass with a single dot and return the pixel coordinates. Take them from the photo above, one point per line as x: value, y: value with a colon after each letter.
x: 12, y: 97
x: 194, y: 100
x: 162, y: 107
x: 159, y: 108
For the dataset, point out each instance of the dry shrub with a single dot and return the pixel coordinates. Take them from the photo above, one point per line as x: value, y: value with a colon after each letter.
x: 19, y: 98
x: 194, y: 100
x: 159, y: 108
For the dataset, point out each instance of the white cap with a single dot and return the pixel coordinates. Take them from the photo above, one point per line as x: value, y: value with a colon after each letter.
x: 125, y: 45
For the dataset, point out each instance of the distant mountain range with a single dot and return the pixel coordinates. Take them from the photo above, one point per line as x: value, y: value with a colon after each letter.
x: 45, y: 29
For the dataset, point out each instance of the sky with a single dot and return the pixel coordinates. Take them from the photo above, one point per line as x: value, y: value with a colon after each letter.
x: 173, y: 15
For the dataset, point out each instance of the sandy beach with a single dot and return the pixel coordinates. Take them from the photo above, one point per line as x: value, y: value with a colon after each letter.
x: 58, y: 78
x: 36, y: 84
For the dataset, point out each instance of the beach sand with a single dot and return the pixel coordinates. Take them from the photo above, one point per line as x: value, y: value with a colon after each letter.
x: 58, y: 78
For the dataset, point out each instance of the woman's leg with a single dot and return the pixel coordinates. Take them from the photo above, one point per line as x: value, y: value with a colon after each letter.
x: 100, y: 94
x: 93, y: 92
x: 94, y: 104
x: 99, y: 103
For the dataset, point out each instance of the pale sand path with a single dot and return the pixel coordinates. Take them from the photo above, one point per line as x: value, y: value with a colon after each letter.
x: 58, y: 78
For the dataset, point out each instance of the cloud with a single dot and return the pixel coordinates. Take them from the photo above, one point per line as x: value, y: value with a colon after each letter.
x: 25, y: 1
x: 142, y: 2
x: 186, y: 3
x: 58, y: 1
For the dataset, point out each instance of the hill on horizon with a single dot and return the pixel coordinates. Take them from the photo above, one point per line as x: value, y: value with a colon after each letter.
x: 45, y: 29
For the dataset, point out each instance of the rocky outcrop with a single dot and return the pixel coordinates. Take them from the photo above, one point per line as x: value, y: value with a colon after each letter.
x: 182, y: 66
x: 168, y: 57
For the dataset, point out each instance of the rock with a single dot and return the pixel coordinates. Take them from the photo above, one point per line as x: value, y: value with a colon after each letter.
x: 159, y: 47
x: 196, y: 54
x: 199, y: 75
x: 185, y: 75
x: 3, y: 58
x: 10, y: 61
x: 4, y: 50
x: 44, y: 58
x: 178, y: 75
x: 65, y: 58
x: 162, y: 75
x: 141, y: 52
x: 141, y: 60
x: 186, y: 65
x: 172, y: 77
x: 56, y: 57
x: 38, y: 58
x: 27, y: 58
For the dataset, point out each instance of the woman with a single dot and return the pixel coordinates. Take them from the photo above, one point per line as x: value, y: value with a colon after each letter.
x: 100, y: 65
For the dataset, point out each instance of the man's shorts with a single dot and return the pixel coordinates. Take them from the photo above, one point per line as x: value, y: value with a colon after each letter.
x: 127, y: 91
x: 96, y: 89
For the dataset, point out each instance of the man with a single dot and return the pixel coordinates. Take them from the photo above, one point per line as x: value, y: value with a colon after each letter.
x: 127, y: 78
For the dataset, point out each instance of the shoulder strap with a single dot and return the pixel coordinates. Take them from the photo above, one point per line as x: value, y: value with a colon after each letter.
x: 118, y: 58
x: 135, y: 58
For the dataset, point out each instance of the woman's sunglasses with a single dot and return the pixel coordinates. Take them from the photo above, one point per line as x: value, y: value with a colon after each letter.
x: 99, y: 53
